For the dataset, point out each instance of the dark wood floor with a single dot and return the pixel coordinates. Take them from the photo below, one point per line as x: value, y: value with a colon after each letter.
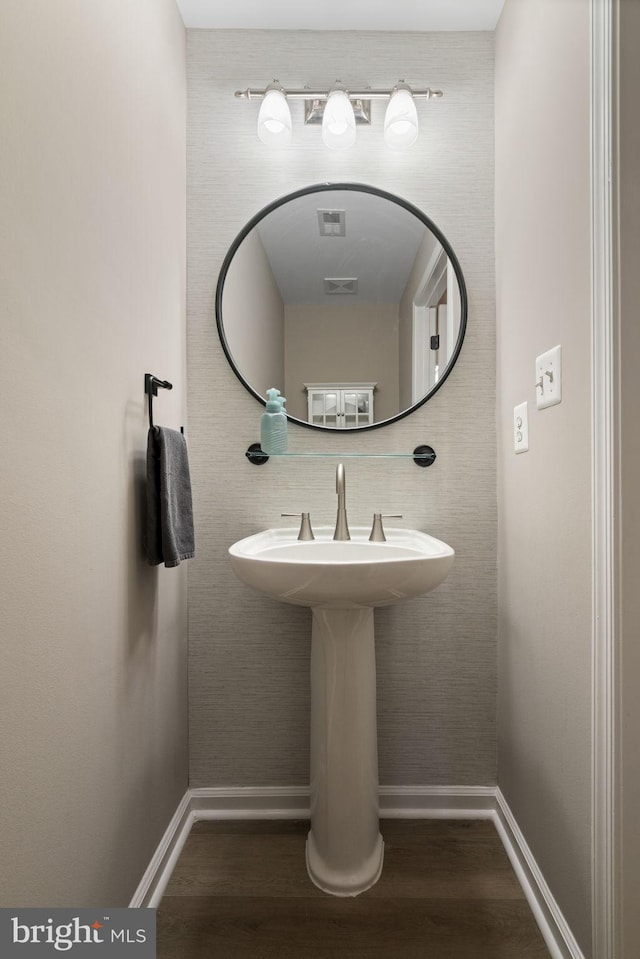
x: 240, y: 891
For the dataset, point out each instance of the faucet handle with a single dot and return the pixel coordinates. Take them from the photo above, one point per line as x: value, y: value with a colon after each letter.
x: 377, y: 531
x: 306, y: 533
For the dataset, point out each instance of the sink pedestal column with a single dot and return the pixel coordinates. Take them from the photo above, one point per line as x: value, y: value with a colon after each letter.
x: 344, y: 845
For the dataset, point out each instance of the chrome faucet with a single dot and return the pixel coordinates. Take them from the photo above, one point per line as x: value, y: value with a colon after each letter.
x: 342, y: 527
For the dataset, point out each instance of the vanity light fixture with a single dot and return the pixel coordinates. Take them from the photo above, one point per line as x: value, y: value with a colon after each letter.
x: 339, y: 109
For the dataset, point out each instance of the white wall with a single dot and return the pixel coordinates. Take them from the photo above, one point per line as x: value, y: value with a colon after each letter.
x: 92, y: 271
x: 544, y: 495
x: 255, y: 313
x: 249, y: 672
x: 342, y: 344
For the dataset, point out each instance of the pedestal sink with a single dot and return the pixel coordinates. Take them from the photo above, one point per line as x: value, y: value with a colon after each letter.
x: 342, y: 582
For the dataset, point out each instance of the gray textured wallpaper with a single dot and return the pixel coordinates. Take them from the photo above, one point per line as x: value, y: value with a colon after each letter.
x: 436, y: 656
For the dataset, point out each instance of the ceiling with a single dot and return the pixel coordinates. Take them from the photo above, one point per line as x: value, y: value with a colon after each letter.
x: 378, y: 249
x: 338, y: 15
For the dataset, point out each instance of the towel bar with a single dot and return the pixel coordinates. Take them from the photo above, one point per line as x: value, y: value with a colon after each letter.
x: 151, y: 386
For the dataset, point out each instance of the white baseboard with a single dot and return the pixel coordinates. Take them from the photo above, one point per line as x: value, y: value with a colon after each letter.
x: 396, y: 802
x: 437, y: 802
x: 292, y: 802
x: 553, y: 926
x: 157, y: 874
x: 251, y: 802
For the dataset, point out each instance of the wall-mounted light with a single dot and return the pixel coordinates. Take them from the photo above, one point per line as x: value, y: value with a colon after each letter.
x: 339, y: 110
x: 274, y: 118
x: 338, y: 121
x: 401, y: 119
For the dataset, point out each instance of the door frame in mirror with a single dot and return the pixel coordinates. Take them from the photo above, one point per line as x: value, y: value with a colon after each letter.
x: 360, y: 188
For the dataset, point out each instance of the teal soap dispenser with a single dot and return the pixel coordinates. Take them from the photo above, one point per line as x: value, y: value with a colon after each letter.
x: 273, y: 424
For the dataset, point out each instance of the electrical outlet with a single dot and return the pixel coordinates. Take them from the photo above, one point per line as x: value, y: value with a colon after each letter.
x: 521, y: 428
x: 549, y: 378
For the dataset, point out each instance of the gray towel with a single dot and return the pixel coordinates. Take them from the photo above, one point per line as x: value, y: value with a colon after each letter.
x: 170, y: 537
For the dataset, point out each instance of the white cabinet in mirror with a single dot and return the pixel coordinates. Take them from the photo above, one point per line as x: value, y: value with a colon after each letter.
x: 342, y: 406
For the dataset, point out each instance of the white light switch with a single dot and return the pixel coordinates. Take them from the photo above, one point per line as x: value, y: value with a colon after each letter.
x: 521, y: 428
x: 549, y: 378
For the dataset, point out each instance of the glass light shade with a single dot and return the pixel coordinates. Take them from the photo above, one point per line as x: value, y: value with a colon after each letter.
x: 338, y: 122
x: 401, y: 121
x: 274, y: 119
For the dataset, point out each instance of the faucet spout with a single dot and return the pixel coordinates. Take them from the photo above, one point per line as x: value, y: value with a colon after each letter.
x: 342, y: 527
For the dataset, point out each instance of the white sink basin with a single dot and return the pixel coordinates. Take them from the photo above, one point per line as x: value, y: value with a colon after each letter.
x: 342, y: 582
x: 326, y: 573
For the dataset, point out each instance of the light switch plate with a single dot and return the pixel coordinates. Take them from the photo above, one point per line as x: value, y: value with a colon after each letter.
x: 521, y: 428
x: 549, y: 378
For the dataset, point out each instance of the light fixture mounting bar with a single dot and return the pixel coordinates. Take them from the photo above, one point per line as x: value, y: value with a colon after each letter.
x: 418, y: 94
x: 314, y: 110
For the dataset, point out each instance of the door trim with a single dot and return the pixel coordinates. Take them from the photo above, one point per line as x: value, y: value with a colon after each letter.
x: 605, y: 894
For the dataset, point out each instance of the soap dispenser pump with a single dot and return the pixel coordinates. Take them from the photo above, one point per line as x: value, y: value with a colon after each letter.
x: 273, y: 424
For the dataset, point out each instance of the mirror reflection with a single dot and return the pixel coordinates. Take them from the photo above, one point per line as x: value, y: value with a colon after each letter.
x: 348, y: 300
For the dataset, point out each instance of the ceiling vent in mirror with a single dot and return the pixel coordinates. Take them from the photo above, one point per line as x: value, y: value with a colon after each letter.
x: 340, y: 284
x: 332, y: 222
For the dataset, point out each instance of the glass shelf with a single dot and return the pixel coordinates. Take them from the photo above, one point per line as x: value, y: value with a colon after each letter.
x: 422, y: 455
x: 345, y: 455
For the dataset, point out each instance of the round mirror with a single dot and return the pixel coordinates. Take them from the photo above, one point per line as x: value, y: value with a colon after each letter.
x: 347, y: 299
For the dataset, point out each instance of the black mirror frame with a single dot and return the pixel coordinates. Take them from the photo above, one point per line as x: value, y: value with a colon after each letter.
x: 360, y: 188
